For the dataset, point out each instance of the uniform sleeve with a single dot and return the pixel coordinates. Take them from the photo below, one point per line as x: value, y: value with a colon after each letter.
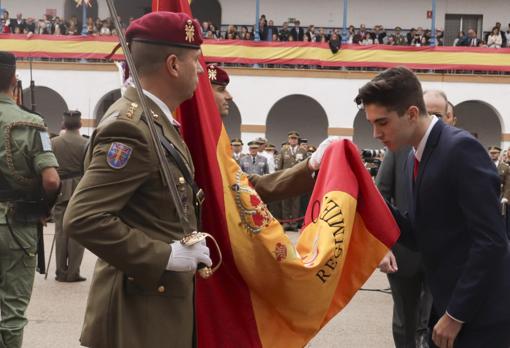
x: 385, y: 179
x: 41, y: 150
x: 285, y: 183
x: 92, y: 217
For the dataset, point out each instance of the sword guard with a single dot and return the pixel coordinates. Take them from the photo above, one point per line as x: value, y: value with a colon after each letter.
x: 196, y: 237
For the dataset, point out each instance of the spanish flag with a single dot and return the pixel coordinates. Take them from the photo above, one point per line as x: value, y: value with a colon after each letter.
x: 268, y: 292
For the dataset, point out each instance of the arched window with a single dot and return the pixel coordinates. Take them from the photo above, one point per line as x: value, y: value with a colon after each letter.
x: 49, y: 104
x: 300, y: 113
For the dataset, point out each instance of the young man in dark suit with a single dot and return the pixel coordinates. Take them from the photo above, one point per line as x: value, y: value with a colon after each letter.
x: 453, y: 216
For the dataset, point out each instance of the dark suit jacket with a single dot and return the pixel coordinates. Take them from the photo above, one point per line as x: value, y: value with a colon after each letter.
x: 297, y: 36
x: 455, y: 223
x: 391, y: 181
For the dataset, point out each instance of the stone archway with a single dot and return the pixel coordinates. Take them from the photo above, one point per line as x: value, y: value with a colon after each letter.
x: 232, y: 122
x: 300, y: 113
x: 480, y: 119
x: 104, y: 103
x: 363, y: 133
x: 49, y: 104
x: 207, y: 10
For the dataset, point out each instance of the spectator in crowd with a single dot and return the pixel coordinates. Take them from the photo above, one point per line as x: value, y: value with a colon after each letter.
x: 502, y: 34
x: 416, y: 37
x: 410, y: 36
x: 42, y: 28
x: 30, y: 27
x: 205, y: 27
x: 242, y: 33
x: 248, y: 35
x: 59, y: 28
x: 495, y: 39
x: 472, y: 39
x: 507, y: 35
x: 310, y: 34
x: 231, y: 33
x: 439, y: 37
x: 73, y: 28
x: 398, y: 38
x: 367, y: 39
x: 461, y: 39
x: 272, y: 30
x: 284, y: 32
x: 322, y: 36
x: 105, y: 28
x: 297, y: 32
x: 351, y: 32
x: 335, y: 42
x: 6, y: 22
x: 19, y: 22
x: 263, y: 30
x: 379, y: 35
x: 360, y: 35
x: 215, y: 34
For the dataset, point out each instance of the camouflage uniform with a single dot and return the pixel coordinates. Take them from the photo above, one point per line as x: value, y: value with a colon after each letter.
x: 25, y: 151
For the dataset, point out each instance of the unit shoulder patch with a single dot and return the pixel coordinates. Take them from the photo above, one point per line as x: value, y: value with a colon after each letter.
x: 118, y: 155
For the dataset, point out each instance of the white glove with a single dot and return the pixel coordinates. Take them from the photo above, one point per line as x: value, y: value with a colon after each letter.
x: 186, y: 258
x: 316, y: 158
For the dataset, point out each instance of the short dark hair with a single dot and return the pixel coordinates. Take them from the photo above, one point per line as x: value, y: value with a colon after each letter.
x: 71, y: 123
x: 7, y: 70
x: 395, y: 89
x: 149, y: 57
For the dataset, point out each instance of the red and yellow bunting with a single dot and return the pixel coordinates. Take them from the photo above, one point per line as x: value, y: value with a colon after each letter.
x: 302, y: 53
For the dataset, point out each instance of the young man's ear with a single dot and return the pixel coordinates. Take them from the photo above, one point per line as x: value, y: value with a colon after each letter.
x: 414, y: 112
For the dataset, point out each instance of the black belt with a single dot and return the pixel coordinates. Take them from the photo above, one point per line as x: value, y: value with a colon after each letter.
x: 70, y: 175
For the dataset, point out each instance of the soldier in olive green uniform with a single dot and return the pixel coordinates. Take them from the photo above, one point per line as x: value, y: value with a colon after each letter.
x: 291, y: 155
x: 142, y: 292
x: 69, y: 149
x: 28, y: 180
x: 237, y: 148
x: 503, y: 171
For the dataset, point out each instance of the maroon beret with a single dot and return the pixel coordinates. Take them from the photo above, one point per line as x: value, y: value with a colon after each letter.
x: 217, y: 75
x: 166, y: 28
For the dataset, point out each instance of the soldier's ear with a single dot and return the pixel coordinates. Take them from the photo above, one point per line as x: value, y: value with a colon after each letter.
x: 172, y: 65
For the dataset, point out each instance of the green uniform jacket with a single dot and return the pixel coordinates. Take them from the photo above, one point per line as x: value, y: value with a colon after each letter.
x: 126, y: 217
x: 289, y: 158
x: 69, y: 149
x: 25, y: 148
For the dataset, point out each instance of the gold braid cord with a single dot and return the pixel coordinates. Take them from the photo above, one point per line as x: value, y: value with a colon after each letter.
x: 8, y: 150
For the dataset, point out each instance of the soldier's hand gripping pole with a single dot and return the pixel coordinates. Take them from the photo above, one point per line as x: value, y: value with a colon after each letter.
x: 168, y: 179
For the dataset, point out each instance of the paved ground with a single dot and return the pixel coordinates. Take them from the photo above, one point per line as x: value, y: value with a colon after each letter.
x: 56, y: 312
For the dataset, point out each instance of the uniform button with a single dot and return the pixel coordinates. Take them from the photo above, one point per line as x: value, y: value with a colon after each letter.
x: 181, y: 180
x: 131, y: 279
x: 161, y: 289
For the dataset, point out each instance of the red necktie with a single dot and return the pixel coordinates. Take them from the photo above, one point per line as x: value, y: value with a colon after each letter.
x: 416, y: 168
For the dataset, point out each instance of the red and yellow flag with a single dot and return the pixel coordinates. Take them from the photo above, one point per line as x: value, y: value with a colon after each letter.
x: 268, y: 292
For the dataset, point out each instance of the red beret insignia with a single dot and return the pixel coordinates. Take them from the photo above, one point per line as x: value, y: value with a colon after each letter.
x: 217, y: 75
x: 190, y: 31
